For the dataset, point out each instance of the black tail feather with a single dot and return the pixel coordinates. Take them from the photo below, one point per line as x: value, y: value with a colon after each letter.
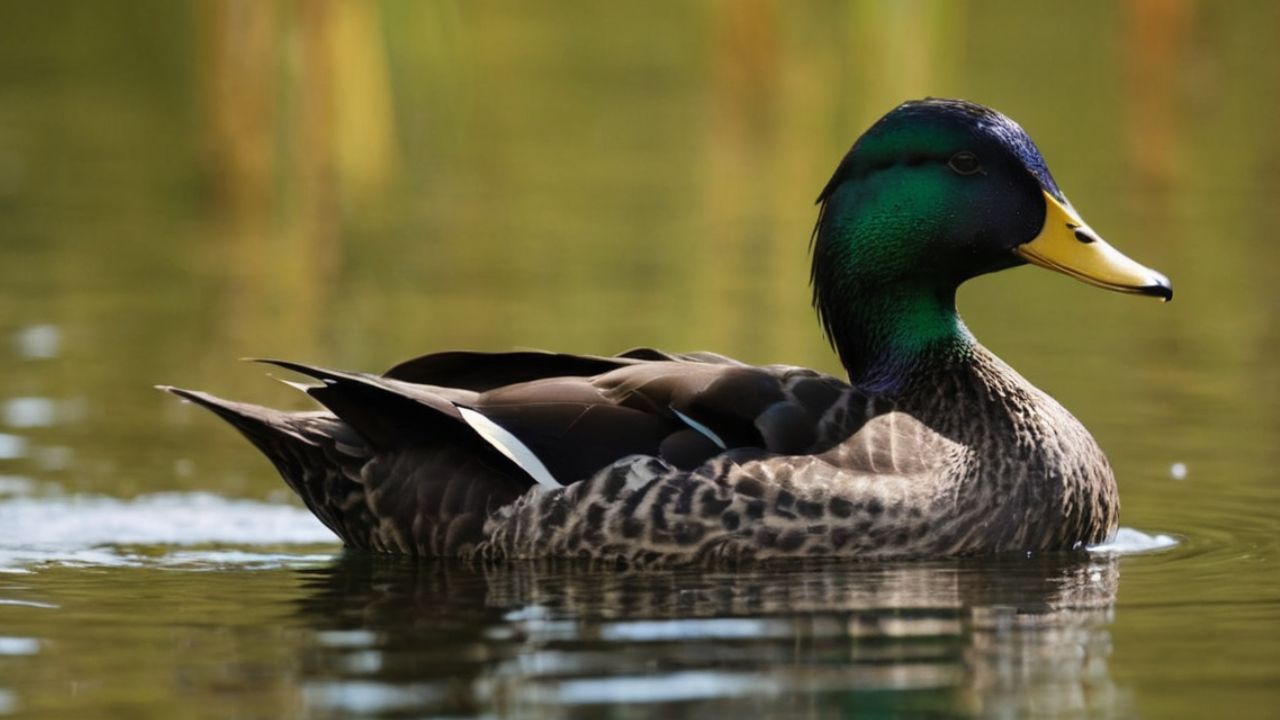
x: 284, y: 439
x: 259, y: 424
x: 429, y: 496
x: 387, y: 413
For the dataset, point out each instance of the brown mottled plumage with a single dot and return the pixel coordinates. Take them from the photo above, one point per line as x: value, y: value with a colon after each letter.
x: 937, y: 448
x: 889, y: 478
x: 882, y: 477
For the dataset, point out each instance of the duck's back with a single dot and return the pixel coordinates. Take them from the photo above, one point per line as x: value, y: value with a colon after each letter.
x: 416, y: 461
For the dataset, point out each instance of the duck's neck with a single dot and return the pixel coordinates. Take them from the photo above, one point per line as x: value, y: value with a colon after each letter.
x: 891, y: 335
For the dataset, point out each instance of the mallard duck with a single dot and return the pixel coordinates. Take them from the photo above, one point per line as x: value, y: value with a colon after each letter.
x: 933, y: 448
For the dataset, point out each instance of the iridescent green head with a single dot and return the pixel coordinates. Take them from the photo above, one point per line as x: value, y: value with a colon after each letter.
x: 935, y: 193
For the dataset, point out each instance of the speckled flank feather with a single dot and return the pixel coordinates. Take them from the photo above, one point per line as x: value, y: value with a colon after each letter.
x: 898, y: 487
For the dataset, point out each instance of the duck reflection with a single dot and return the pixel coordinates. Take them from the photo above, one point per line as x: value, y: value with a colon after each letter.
x: 1005, y: 637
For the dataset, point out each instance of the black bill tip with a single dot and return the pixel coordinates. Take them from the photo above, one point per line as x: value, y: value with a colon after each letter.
x: 1161, y: 288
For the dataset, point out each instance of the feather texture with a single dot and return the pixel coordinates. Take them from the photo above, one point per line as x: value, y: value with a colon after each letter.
x: 811, y: 465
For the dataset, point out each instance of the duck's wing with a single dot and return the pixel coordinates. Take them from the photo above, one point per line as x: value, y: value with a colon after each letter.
x: 415, y: 466
x: 681, y: 409
x: 562, y: 418
x: 481, y: 371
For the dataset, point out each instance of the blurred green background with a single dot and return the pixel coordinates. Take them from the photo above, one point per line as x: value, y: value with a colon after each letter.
x: 183, y: 184
x: 354, y: 183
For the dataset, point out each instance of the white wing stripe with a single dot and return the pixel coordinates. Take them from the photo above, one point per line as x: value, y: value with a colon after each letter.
x: 711, y: 435
x: 509, y: 445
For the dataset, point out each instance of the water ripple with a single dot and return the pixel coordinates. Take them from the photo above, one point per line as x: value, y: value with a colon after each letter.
x: 91, y: 530
x: 19, y: 645
x: 1128, y: 541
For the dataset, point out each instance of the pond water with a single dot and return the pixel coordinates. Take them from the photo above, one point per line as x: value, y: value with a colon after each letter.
x: 352, y: 184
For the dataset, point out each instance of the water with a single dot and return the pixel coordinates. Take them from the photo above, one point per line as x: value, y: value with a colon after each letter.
x: 371, y: 636
x: 351, y: 184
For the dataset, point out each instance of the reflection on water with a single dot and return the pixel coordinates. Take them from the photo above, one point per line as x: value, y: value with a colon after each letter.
x: 1008, y: 638
x: 12, y: 446
x: 104, y: 531
x: 20, y: 412
x: 19, y: 646
x: 1128, y: 540
x: 367, y: 635
x: 28, y: 413
x: 38, y: 341
x: 372, y: 636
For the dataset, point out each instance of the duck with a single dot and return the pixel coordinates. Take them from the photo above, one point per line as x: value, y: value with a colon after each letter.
x: 931, y: 448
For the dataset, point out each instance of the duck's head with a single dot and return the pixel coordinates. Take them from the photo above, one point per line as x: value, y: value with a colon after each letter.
x: 937, y: 192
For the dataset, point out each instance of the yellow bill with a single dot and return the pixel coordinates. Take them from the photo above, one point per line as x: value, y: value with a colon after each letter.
x: 1069, y: 246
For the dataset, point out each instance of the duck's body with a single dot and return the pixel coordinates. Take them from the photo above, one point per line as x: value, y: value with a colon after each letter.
x: 936, y: 449
x: 888, y: 477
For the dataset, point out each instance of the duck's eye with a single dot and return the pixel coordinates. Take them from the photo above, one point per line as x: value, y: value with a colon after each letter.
x: 965, y: 163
